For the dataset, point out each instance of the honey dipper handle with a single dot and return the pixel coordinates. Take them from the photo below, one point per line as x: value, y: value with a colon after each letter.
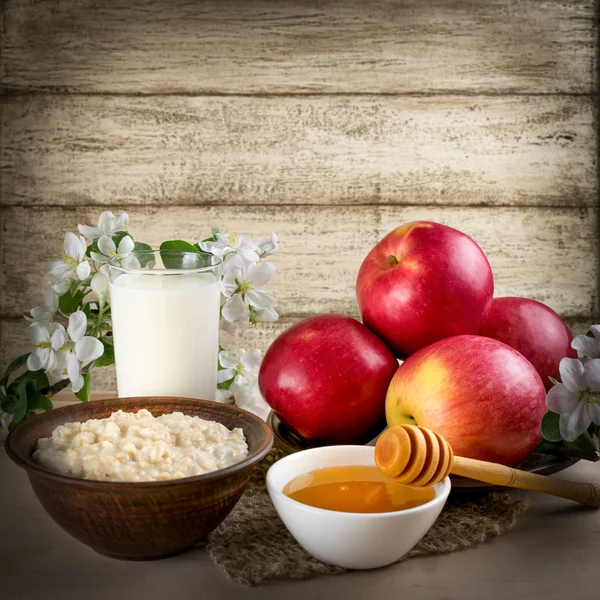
x: 586, y: 493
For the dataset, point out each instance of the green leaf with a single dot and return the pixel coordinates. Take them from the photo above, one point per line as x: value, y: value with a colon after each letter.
x: 93, y: 247
x: 225, y: 385
x: 87, y: 310
x: 84, y: 393
x: 108, y: 356
x: 212, y: 238
x: 9, y: 403
x: 546, y: 447
x: 551, y: 427
x: 69, y: 302
x: 143, y: 258
x: 38, y: 380
x: 585, y: 444
x: 171, y: 261
x: 25, y: 389
x: 41, y: 380
x: 178, y: 245
x: 39, y: 402
x: 554, y: 381
x: 13, y: 366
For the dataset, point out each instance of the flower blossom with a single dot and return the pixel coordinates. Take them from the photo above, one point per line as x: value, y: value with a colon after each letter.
x: 577, y: 398
x: 240, y: 367
x: 73, y: 262
x: 587, y: 346
x: 268, y: 246
x: 240, y: 289
x: 61, y: 288
x: 46, y: 337
x: 99, y: 284
x: 228, y: 245
x: 241, y: 370
x: 108, y: 250
x: 107, y: 226
x: 249, y: 398
x: 79, y: 349
x: 46, y: 312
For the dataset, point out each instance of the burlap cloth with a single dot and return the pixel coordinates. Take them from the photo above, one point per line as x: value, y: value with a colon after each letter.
x: 253, y: 546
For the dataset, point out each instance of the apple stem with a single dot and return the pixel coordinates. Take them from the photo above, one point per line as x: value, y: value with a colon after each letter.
x: 392, y: 260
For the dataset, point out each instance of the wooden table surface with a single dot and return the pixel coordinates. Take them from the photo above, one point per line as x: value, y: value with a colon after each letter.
x: 555, y: 547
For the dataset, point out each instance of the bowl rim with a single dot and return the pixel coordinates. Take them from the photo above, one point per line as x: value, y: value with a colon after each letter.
x: 32, y: 468
x: 441, y: 489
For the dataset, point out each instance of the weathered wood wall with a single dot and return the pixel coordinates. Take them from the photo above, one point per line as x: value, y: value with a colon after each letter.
x: 327, y: 122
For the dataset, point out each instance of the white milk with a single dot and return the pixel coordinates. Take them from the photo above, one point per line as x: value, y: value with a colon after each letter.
x: 166, y: 334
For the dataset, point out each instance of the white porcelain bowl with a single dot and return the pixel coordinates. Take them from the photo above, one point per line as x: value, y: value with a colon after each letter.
x: 350, y: 540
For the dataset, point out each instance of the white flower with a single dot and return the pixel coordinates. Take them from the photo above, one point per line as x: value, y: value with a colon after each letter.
x: 62, y: 288
x: 45, y: 313
x: 73, y: 261
x: 227, y: 245
x: 242, y: 366
x: 99, y: 284
x: 577, y: 398
x: 224, y: 396
x: 46, y: 337
x: 107, y: 226
x: 230, y: 326
x: 59, y: 372
x: 588, y: 346
x: 240, y: 288
x: 246, y: 281
x: 235, y: 313
x: 268, y: 246
x: 109, y: 250
x: 249, y: 398
x: 266, y: 315
x: 79, y: 349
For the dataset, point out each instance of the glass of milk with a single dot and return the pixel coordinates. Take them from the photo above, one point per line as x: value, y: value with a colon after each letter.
x: 165, y: 307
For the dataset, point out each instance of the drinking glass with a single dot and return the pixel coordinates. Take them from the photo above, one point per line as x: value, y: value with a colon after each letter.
x: 165, y: 307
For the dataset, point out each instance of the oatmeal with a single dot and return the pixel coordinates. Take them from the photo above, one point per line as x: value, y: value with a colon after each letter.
x: 140, y: 447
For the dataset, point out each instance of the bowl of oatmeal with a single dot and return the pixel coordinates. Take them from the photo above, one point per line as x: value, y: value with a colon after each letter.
x: 140, y: 478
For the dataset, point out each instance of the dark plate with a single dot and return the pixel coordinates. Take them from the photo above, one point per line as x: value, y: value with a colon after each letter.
x: 542, y: 464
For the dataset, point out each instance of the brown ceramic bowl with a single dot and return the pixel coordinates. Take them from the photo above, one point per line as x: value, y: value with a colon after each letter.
x: 146, y: 520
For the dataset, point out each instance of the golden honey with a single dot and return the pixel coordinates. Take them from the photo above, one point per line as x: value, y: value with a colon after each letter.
x: 355, y: 489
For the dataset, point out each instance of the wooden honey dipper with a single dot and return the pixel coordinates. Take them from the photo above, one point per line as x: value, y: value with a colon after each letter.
x: 419, y: 456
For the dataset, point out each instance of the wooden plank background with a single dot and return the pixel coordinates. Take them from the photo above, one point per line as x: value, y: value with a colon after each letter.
x: 329, y: 123
x: 172, y: 150
x: 342, y: 46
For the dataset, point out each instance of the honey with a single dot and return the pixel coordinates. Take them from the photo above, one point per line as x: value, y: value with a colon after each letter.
x: 355, y: 489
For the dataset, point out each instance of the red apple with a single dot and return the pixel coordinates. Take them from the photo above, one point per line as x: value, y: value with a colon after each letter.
x: 326, y: 378
x: 533, y: 329
x: 483, y: 396
x: 421, y: 283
